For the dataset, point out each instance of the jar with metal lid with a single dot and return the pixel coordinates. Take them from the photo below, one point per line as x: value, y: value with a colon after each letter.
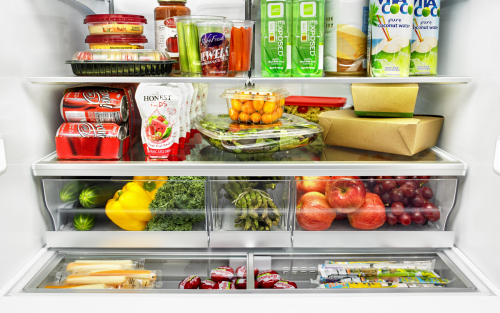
x: 165, y: 28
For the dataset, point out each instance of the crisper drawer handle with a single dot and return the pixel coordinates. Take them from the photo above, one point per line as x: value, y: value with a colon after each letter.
x: 3, y: 158
x: 496, y: 160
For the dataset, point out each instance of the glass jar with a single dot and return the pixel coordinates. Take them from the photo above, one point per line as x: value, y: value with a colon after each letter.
x: 165, y: 29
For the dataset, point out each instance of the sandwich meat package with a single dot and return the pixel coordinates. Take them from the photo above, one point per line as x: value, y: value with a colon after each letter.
x: 160, y: 107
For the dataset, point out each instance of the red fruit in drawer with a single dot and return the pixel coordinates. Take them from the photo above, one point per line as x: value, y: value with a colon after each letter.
x: 370, y: 215
x: 207, y: 284
x: 345, y: 193
x: 190, y: 282
x: 267, y: 279
x: 222, y: 273
x: 314, y: 212
x: 241, y: 272
x: 307, y: 184
x: 283, y: 284
x: 224, y: 285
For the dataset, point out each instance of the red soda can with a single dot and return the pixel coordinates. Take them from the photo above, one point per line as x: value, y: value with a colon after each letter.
x: 95, y: 105
x: 89, y: 130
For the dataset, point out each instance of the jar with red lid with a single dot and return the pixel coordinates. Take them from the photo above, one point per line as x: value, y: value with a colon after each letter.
x: 165, y: 29
x: 116, y: 41
x: 115, y: 24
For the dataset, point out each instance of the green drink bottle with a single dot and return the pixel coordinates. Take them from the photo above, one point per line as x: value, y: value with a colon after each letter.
x: 276, y: 40
x: 308, y: 38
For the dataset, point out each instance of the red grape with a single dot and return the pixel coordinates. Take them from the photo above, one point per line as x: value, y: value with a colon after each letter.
x: 397, y: 208
x: 424, y: 179
x: 396, y: 195
x: 405, y: 201
x: 391, y: 219
x: 419, y: 192
x: 380, y: 179
x: 389, y: 184
x: 378, y: 189
x: 412, y: 183
x: 405, y: 219
x: 408, y: 190
x: 427, y: 208
x: 434, y: 215
x: 427, y: 193
x: 417, y: 217
x: 400, y: 180
x: 417, y: 201
x: 386, y: 198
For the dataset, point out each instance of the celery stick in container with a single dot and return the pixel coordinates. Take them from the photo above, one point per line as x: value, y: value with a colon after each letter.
x: 189, y: 50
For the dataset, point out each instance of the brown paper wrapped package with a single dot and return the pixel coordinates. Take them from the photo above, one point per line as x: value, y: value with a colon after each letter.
x: 405, y: 136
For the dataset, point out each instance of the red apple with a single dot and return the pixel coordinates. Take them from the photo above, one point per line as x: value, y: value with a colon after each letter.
x: 345, y: 193
x: 340, y: 216
x: 314, y: 212
x: 307, y: 184
x: 370, y: 215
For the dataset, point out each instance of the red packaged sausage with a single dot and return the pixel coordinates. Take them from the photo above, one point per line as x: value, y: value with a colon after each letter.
x: 190, y: 282
x: 283, y: 284
x: 222, y: 273
x: 267, y: 279
x: 241, y: 272
x: 224, y: 285
x: 207, y: 284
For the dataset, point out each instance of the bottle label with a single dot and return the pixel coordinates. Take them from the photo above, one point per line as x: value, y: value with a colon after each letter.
x: 166, y: 37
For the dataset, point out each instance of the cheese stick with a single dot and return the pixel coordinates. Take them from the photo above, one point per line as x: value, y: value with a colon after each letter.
x: 95, y: 286
x: 91, y: 280
x: 128, y: 273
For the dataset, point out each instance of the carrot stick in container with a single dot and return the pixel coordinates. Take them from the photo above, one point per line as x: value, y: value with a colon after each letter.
x: 247, y: 42
x: 232, y: 49
x: 238, y: 48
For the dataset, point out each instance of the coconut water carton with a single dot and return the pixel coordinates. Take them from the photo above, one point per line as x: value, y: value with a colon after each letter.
x: 424, y: 47
x: 389, y: 37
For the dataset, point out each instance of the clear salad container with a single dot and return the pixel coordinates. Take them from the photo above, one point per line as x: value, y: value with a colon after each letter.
x: 240, y: 54
x: 121, y: 63
x: 214, y: 41
x: 288, y: 133
x: 188, y: 41
x: 124, y: 24
x: 116, y: 41
x: 258, y: 105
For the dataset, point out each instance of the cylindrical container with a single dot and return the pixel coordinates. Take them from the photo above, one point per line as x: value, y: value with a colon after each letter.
x: 123, y: 24
x: 215, y: 37
x: 91, y: 130
x: 116, y: 41
x: 424, y: 47
x: 187, y: 33
x: 240, y: 54
x: 165, y: 31
x: 95, y: 106
x: 346, y: 29
x: 390, y: 29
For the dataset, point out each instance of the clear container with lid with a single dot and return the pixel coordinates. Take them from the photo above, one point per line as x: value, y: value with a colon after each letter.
x: 255, y: 104
x: 214, y: 41
x: 116, y: 41
x: 240, y: 54
x: 288, y: 133
x: 189, y: 49
x: 118, y: 24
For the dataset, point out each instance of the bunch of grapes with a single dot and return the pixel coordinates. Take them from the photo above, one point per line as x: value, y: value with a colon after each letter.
x: 407, y: 199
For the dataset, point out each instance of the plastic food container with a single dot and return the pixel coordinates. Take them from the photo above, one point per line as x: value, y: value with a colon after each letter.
x: 255, y: 104
x: 116, y: 41
x: 310, y: 107
x: 288, y: 133
x: 121, y: 63
x: 240, y: 54
x: 124, y: 24
x: 214, y: 40
x: 188, y: 40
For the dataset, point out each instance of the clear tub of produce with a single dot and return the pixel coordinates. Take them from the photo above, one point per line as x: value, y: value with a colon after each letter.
x: 349, y: 211
x: 124, y: 24
x: 250, y: 211
x: 310, y: 107
x: 250, y: 104
x: 240, y: 55
x: 143, y: 211
x: 109, y: 62
x: 287, y: 133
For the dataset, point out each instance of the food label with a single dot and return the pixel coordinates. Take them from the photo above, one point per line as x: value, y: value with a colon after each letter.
x: 166, y: 37
x: 214, y: 48
x: 424, y: 47
x: 115, y: 28
x: 111, y: 46
x: 91, y: 130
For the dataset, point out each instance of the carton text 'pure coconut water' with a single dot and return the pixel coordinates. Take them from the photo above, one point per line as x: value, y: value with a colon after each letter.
x: 424, y: 47
x: 389, y: 37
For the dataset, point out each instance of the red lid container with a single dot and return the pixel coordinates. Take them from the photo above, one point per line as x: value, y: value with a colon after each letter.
x: 124, y: 24
x: 116, y: 41
x: 336, y: 102
x: 100, y: 18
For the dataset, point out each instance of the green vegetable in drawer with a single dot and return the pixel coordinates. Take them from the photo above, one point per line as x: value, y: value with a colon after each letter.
x: 84, y: 221
x: 71, y: 191
x: 98, y: 195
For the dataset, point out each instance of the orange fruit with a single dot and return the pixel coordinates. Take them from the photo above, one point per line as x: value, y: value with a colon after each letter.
x: 233, y: 114
x: 269, y: 107
x: 282, y: 102
x: 244, y: 117
x: 236, y: 104
x: 261, y: 112
x: 267, y: 118
x: 275, y: 115
x: 258, y: 104
x: 248, y: 107
x: 279, y: 112
x: 255, y: 117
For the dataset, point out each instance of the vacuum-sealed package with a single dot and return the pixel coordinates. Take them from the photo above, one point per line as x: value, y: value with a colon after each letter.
x: 81, y: 266
x: 160, y: 107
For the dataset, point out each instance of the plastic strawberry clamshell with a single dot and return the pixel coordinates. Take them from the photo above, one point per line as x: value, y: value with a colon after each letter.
x: 103, y: 62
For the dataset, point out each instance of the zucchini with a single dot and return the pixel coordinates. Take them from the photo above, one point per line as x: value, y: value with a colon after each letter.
x: 98, y: 195
x: 84, y: 221
x: 71, y: 191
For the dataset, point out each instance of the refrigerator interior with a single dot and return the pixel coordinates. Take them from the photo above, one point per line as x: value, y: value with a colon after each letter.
x: 53, y: 30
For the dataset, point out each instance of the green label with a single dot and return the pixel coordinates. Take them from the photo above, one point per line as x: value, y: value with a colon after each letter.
x: 276, y: 10
x: 383, y: 114
x: 308, y: 10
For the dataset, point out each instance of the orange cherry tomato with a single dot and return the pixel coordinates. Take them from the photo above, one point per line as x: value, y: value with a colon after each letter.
x: 261, y: 112
x: 248, y: 107
x: 244, y: 117
x: 275, y: 115
x: 279, y: 112
x: 267, y: 118
x: 255, y: 117
x: 233, y: 114
x: 269, y: 107
x: 236, y: 104
x: 258, y: 104
x: 282, y: 102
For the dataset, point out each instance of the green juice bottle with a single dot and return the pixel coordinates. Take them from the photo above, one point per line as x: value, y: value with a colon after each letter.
x: 308, y: 38
x: 276, y: 40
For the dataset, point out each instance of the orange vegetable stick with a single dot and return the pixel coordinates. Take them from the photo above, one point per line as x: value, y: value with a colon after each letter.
x: 231, y: 50
x: 238, y: 49
x: 247, y: 41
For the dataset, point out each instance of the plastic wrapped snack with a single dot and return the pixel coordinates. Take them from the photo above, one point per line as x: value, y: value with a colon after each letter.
x: 422, y: 265
x: 288, y: 133
x: 118, y: 279
x: 103, y: 265
x: 372, y: 285
x: 63, y: 286
x: 326, y: 270
x: 399, y: 280
x: 310, y: 107
x: 250, y: 104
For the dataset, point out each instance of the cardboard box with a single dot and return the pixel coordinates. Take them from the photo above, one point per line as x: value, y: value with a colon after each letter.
x: 405, y: 136
x: 343, y: 154
x: 384, y: 100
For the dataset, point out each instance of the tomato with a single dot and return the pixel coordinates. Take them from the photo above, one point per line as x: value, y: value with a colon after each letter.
x: 302, y: 109
x: 269, y: 107
x: 255, y: 117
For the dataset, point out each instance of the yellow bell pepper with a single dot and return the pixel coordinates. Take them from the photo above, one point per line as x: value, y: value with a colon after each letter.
x: 151, y: 183
x: 129, y: 208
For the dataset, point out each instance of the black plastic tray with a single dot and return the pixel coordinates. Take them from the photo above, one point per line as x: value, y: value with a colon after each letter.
x: 119, y: 68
